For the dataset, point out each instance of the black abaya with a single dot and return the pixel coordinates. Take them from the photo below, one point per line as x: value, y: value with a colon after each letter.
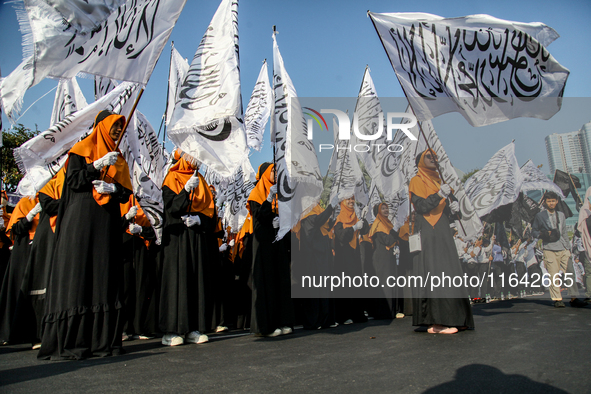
x: 83, y: 314
x: 438, y: 255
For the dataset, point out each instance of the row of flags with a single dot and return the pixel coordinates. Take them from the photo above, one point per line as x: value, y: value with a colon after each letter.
x: 487, y: 69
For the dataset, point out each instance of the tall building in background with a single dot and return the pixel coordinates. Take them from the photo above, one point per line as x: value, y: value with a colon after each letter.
x: 570, y: 152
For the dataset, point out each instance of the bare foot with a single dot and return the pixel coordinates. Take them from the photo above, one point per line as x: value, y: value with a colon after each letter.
x: 439, y: 329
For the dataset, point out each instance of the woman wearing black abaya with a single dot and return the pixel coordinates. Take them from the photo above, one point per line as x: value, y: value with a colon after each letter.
x: 83, y: 316
x: 34, y: 286
x: 316, y: 261
x: 438, y: 253
x: 272, y: 308
x: 187, y: 255
x: 16, y: 321
x: 139, y: 272
x: 384, y: 239
x: 347, y: 260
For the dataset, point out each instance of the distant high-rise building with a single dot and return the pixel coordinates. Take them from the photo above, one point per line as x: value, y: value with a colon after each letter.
x: 570, y: 152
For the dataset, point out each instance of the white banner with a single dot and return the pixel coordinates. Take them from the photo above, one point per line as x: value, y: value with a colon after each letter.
x: 124, y: 46
x: 236, y: 196
x: 42, y: 156
x: 379, y: 163
x: 488, y: 69
x: 103, y: 86
x: 207, y: 119
x: 146, y: 161
x: 178, y: 70
x: 534, y: 179
x: 68, y: 99
x: 298, y: 173
x: 13, y: 88
x: 258, y: 110
x: 497, y: 184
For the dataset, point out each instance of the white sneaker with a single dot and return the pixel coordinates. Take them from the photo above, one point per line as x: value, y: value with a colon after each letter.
x: 196, y: 337
x: 172, y: 340
x: 275, y: 333
x: 348, y: 321
x: 37, y: 346
x: 221, y: 329
x: 286, y: 330
x: 399, y: 315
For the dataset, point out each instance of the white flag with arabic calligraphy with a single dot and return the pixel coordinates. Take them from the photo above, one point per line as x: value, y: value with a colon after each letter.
x: 258, y: 110
x: 487, y: 69
x: 207, y: 119
x: 68, y: 99
x: 298, y: 174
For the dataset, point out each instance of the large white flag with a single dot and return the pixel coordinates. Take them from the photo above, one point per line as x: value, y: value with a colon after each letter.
x: 298, y: 173
x: 534, y: 179
x: 497, y: 184
x: 488, y: 69
x: 207, y: 119
x: 258, y: 110
x: 378, y: 162
x: 406, y: 169
x: 110, y: 38
x: 146, y: 161
x: 347, y: 178
x: 41, y: 157
x: 178, y: 70
x: 68, y: 99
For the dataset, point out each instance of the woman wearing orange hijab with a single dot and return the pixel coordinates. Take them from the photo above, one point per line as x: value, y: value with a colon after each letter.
x: 83, y: 313
x: 34, y: 286
x: 21, y: 228
x: 315, y: 259
x: 444, y: 310
x: 187, y: 254
x: 384, y: 238
x: 347, y: 259
x: 272, y: 308
x: 139, y: 272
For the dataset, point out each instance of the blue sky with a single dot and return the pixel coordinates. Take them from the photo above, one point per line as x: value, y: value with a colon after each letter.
x: 326, y: 46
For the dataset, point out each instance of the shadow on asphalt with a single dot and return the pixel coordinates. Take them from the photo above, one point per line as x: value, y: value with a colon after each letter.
x: 485, y: 379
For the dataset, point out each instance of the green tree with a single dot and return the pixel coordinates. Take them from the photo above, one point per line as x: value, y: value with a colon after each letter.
x: 469, y: 174
x: 11, y: 139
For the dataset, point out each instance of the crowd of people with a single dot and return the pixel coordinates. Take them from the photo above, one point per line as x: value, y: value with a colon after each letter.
x: 83, y: 273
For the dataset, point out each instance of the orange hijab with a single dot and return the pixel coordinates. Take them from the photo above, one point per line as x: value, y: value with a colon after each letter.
x: 348, y: 217
x: 261, y: 190
x: 426, y: 183
x: 178, y: 175
x: 98, y: 144
x: 21, y: 210
x: 381, y: 224
x: 317, y: 210
x: 54, y: 189
x: 247, y: 228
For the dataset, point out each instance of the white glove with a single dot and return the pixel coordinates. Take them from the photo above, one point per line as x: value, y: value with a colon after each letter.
x: 131, y: 213
x: 135, y: 228
x: 192, y: 183
x: 272, y: 193
x: 107, y: 160
x: 33, y: 212
x: 455, y: 207
x: 232, y: 242
x: 223, y: 248
x: 276, y: 222
x: 103, y: 187
x: 191, y: 220
x: 358, y: 225
x: 444, y: 190
x: 334, y: 201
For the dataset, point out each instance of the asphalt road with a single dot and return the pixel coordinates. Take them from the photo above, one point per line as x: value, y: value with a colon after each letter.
x: 518, y: 346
